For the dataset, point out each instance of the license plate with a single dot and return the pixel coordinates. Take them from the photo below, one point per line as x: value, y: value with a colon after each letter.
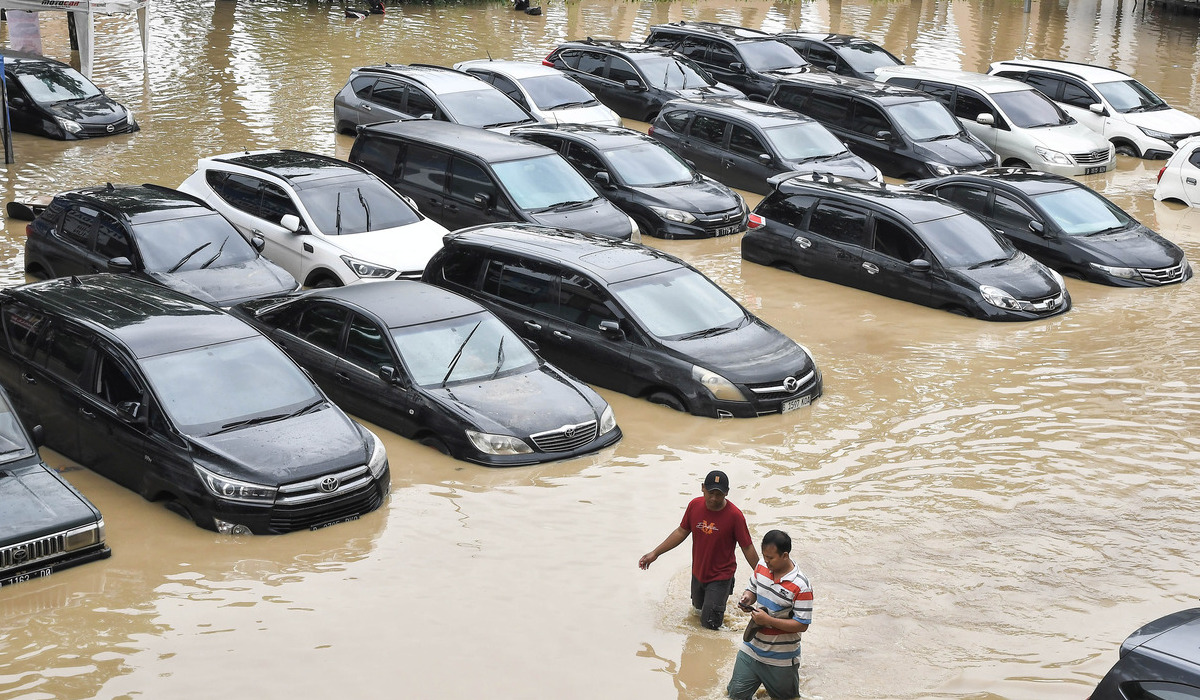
x: 726, y: 230
x: 334, y: 522
x: 21, y: 578
x: 793, y: 404
x: 1096, y: 169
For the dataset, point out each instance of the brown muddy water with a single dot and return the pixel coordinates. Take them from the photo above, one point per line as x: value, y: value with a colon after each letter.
x: 985, y: 510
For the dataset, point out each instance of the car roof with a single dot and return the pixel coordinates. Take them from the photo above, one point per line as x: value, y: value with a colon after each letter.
x: 146, y: 318
x: 518, y: 70
x: 606, y: 259
x: 833, y: 39
x: 294, y: 166
x: 14, y: 59
x: 140, y: 203
x: 765, y: 115
x: 883, y: 92
x: 401, y: 303
x: 725, y: 31
x: 489, y: 146
x: 439, y: 79
x: 618, y: 46
x: 914, y: 205
x: 1031, y: 182
x: 1177, y: 634
x: 1090, y: 73
x: 979, y: 81
x: 601, y: 136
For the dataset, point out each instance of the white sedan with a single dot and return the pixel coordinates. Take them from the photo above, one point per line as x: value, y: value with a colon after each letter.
x: 1179, y: 179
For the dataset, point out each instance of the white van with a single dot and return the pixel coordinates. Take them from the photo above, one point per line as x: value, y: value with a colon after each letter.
x: 1019, y: 123
x: 1109, y: 102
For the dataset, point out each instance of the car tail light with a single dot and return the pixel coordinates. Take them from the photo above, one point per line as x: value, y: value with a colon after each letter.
x: 650, y: 130
x: 755, y: 221
x: 1161, y: 170
x: 28, y: 229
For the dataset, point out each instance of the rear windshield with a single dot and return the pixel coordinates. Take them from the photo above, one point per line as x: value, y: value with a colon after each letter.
x: 1030, y: 109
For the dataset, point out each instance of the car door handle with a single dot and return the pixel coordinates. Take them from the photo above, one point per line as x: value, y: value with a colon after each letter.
x: 803, y: 242
x: 86, y: 413
x: 728, y: 164
x: 1191, y: 181
x: 451, y: 207
x: 561, y: 336
x: 533, y: 326
x: 364, y: 106
x: 871, y: 268
x: 255, y: 232
x: 342, y: 377
x: 29, y: 378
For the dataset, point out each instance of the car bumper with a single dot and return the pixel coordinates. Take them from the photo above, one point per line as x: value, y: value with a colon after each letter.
x: 276, y: 519
x: 539, y: 457
x: 767, y: 403
x: 39, y: 569
x: 987, y: 312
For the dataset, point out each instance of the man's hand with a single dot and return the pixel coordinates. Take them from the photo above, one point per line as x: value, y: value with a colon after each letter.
x: 748, y: 598
x: 647, y: 560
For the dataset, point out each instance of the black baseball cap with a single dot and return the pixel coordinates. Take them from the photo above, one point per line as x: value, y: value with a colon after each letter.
x: 716, y: 481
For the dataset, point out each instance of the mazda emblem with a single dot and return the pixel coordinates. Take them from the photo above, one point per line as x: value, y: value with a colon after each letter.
x: 791, y: 384
x: 329, y: 484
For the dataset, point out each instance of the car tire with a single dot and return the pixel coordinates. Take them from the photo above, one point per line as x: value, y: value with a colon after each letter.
x: 345, y: 127
x: 649, y: 229
x: 176, y: 506
x: 959, y: 311
x: 326, y: 283
x: 1124, y: 148
x: 666, y: 398
x: 786, y: 267
x: 435, y: 443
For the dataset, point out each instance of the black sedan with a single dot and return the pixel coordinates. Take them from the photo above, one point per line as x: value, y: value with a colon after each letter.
x: 50, y: 98
x: 646, y: 180
x: 1159, y: 660
x: 1065, y: 225
x: 438, y: 368
x: 45, y: 524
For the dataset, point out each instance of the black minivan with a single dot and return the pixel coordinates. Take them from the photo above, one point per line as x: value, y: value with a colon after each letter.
x: 629, y: 318
x: 905, y: 133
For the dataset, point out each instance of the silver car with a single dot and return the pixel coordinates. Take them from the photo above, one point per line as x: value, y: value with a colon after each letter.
x: 548, y: 94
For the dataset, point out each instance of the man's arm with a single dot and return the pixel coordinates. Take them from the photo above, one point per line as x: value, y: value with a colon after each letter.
x: 673, y: 540
x: 751, y: 555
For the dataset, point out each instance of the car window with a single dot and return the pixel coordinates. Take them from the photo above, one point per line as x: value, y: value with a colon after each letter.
x: 584, y: 160
x: 191, y: 243
x: 723, y: 56
x: 1030, y: 109
x: 66, y: 353
x: 746, y: 142
x: 425, y: 168
x: 677, y: 120
x: 484, y: 75
x: 362, y: 85
x: 592, y: 63
x: 13, y: 440
x: 1194, y: 159
x: 1131, y: 96
x: 895, y: 241
x: 321, y: 325
x: 792, y: 97
x: 1160, y: 690
x: 824, y: 107
x: 694, y: 48
x: 466, y: 348
x: 974, y: 199
x: 419, y: 104
x: 276, y: 203
x: 543, y: 182
x: 389, y: 94
x: 943, y: 93
x: 788, y: 210
x: 804, y: 140
x: 467, y: 180
x: 365, y: 345
x: 114, y: 382
x: 649, y: 164
x: 555, y: 91
x: 961, y: 240
x: 462, y: 268
x: 1047, y: 84
x: 378, y: 155
x: 970, y: 105
x: 868, y: 119
x: 839, y: 223
x: 1078, y: 96
x: 821, y: 55
x: 673, y: 72
x: 509, y: 88
x: 708, y: 129
x: 239, y: 191
x: 568, y: 58
x: 111, y: 239
x: 22, y: 325
x: 924, y: 120
x: 765, y: 55
x: 582, y: 302
x: 77, y: 225
x: 526, y: 284
x: 679, y: 303
x: 621, y: 70
x: 864, y: 56
x: 1009, y: 212
x: 1078, y: 211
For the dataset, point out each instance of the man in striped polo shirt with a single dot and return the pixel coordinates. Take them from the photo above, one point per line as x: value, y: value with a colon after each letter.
x: 782, y: 600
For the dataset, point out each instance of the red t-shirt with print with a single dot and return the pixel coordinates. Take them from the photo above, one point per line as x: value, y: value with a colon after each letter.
x: 714, y: 534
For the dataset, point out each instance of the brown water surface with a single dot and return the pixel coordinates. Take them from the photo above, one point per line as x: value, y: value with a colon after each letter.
x: 985, y: 510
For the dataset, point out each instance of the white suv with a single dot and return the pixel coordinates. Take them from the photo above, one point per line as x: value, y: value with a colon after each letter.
x: 327, y: 222
x: 1016, y: 121
x: 1108, y: 102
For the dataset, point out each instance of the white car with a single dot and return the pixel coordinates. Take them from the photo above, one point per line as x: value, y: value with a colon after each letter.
x: 326, y: 221
x: 1016, y: 121
x: 548, y: 94
x: 1179, y: 179
x: 1108, y: 102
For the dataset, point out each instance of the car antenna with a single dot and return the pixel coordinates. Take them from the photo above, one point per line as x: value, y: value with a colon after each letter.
x: 75, y: 281
x: 489, y: 55
x: 109, y: 187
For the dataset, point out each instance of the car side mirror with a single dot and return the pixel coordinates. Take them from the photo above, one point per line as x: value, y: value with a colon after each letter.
x: 482, y: 201
x: 121, y: 264
x: 612, y: 330
x: 603, y: 179
x: 292, y: 223
x: 1037, y: 227
x: 920, y: 265
x: 427, y: 115
x: 389, y: 375
x: 985, y: 119
x: 17, y: 102
x: 883, y: 135
x: 258, y: 242
x: 1098, y: 109
x: 765, y: 158
x: 634, y: 85
x: 132, y: 411
x: 39, y: 435
x: 737, y: 67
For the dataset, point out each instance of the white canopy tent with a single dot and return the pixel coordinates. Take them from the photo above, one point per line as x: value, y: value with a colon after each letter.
x: 82, y: 13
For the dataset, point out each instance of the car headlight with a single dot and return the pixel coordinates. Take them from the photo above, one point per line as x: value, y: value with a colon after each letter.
x: 491, y: 444
x: 999, y: 298
x: 379, y: 461
x: 720, y: 387
x: 942, y: 170
x: 367, y: 270
x: 84, y: 536
x: 1160, y: 135
x: 1052, y: 156
x: 1125, y: 273
x: 679, y: 215
x: 235, y: 490
x: 608, y: 420
x: 129, y: 118
x: 69, y: 126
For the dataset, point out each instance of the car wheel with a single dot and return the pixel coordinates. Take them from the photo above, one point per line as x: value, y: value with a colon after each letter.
x: 786, y: 267
x: 1015, y: 163
x: 345, y: 127
x: 1127, y: 149
x: 431, y: 441
x: 326, y: 283
x: 649, y: 229
x: 959, y: 311
x: 176, y: 506
x: 666, y: 398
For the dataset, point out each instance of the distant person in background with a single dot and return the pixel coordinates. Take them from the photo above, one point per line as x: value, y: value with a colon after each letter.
x: 716, y: 526
x: 780, y: 598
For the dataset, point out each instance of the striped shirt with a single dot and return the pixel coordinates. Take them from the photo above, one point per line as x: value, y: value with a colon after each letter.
x: 790, y: 592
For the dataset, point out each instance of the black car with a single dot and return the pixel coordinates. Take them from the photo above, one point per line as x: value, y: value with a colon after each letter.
x: 629, y: 318
x: 160, y: 234
x: 842, y: 54
x: 901, y: 243
x: 742, y: 143
x: 749, y: 60
x: 45, y: 524
x: 1159, y: 661
x: 50, y: 98
x: 634, y: 80
x: 460, y: 176
x: 437, y: 368
x: 184, y: 404
x: 645, y: 179
x: 905, y: 133
x: 1066, y: 225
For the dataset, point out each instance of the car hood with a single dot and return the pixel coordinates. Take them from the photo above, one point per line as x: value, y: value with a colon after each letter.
x: 287, y: 450
x: 599, y: 216
x: 1068, y: 138
x: 519, y: 404
x: 404, y: 248
x: 701, y: 195
x: 754, y: 353
x: 1171, y: 121
x: 961, y: 151
x: 37, y: 503
x: 844, y: 165
x: 1137, y: 246
x: 101, y: 109
x: 230, y: 284
x: 1021, y: 276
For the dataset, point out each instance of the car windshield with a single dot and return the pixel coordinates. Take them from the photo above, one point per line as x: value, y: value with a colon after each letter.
x: 865, y: 57
x: 191, y: 243
x: 13, y: 442
x: 1030, y: 109
x: 925, y: 120
x: 355, y: 204
x: 649, y: 165
x: 673, y: 72
x: 557, y: 91
x: 464, y: 349
x: 1131, y: 96
x: 483, y: 108
x: 961, y: 240
x: 47, y: 84
x: 679, y: 303
x: 804, y: 141
x: 770, y: 55
x: 217, y: 387
x: 544, y: 182
x: 1081, y: 212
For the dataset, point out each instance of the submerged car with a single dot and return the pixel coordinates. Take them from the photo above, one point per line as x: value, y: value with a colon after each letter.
x: 1179, y: 179
x: 46, y: 525
x: 160, y: 234
x: 1160, y: 660
x: 437, y: 368
x: 901, y: 243
x: 50, y: 98
x: 842, y: 54
x: 184, y: 404
x: 551, y: 96
x: 1066, y: 225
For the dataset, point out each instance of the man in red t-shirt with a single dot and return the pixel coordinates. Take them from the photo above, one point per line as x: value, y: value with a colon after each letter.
x: 715, y: 525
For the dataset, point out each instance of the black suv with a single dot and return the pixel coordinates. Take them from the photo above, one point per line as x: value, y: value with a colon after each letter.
x: 157, y: 233
x: 1159, y: 660
x: 645, y: 179
x: 750, y: 60
x: 905, y: 133
x: 901, y: 243
x: 629, y: 318
x: 634, y: 80
x: 183, y: 403
x: 840, y: 53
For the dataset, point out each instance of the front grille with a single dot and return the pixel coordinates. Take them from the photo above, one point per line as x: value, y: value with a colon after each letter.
x: 341, y: 505
x: 566, y: 438
x: 1048, y: 304
x: 32, y: 551
x: 118, y: 127
x: 324, y: 487
x: 778, y: 390
x: 1162, y: 275
x: 1091, y: 158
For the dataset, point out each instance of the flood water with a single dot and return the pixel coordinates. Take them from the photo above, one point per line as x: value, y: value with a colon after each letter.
x: 985, y: 510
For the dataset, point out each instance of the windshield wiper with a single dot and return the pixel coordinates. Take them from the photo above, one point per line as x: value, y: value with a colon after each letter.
x: 707, y: 333
x: 988, y: 263
x: 213, y: 259
x: 573, y: 104
x: 458, y: 354
x: 337, y: 220
x: 308, y: 408
x: 571, y: 204
x: 499, y: 359
x: 187, y: 257
x: 1110, y: 229
x: 366, y: 207
x: 250, y: 421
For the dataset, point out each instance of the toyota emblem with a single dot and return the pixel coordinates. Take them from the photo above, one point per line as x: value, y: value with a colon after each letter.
x: 329, y: 484
x: 791, y: 384
x: 569, y: 431
x: 110, y: 128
